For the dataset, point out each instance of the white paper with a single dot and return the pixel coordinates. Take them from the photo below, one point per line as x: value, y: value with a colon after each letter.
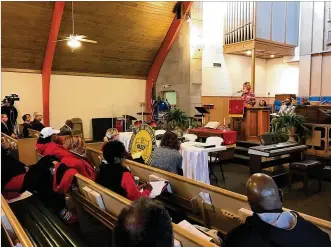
x: 158, y: 187
x: 177, y: 243
x: 206, y: 197
x: 153, y: 178
x: 24, y: 195
x: 212, y: 125
x: 97, y: 199
x: 190, y: 228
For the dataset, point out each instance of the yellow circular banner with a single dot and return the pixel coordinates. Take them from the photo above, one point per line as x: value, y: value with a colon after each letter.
x: 143, y: 141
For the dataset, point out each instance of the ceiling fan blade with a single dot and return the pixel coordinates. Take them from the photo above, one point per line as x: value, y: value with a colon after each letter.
x: 61, y: 40
x: 79, y: 37
x: 89, y: 41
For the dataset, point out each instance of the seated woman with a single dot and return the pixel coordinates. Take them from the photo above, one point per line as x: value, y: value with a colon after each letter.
x: 167, y: 157
x: 111, y: 135
x: 72, y: 163
x: 114, y: 176
x: 47, y: 143
x: 16, y: 178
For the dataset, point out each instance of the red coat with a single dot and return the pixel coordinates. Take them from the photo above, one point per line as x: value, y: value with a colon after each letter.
x: 76, y: 164
x: 52, y: 148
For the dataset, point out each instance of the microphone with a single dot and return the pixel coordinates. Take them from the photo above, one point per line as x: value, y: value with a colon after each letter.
x: 240, y: 91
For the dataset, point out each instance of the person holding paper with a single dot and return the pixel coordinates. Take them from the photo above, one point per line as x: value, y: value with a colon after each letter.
x: 167, y: 157
x: 116, y: 177
x: 145, y: 223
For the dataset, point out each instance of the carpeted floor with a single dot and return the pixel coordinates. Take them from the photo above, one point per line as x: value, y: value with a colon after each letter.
x: 317, y: 204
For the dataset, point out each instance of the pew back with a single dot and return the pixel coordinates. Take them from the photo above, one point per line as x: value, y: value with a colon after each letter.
x: 18, y: 231
x: 114, y: 204
x: 214, y: 207
x: 95, y: 145
x: 22, y: 149
x: 34, y: 133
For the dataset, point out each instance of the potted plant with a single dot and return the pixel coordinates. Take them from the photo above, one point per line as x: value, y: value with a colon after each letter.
x: 292, y: 124
x: 177, y: 121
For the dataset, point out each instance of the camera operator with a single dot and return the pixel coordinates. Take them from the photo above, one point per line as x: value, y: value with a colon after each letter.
x: 9, y: 109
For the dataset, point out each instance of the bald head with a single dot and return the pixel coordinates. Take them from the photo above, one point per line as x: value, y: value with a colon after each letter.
x: 263, y: 193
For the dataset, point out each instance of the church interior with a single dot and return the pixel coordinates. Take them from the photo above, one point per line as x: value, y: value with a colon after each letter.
x: 219, y: 113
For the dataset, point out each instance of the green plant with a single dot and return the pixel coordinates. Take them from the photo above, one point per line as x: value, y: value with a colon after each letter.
x: 279, y: 136
x: 176, y: 118
x: 288, y: 122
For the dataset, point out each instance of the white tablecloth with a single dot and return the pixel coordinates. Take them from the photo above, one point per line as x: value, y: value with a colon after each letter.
x: 195, y: 159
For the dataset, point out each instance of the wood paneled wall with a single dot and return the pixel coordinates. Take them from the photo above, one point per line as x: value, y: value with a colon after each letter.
x: 221, y: 106
x: 315, y: 53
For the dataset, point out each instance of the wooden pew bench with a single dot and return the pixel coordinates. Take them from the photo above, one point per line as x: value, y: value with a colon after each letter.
x: 12, y: 231
x: 34, y: 133
x: 224, y: 211
x: 114, y: 204
x: 42, y: 225
x: 22, y: 149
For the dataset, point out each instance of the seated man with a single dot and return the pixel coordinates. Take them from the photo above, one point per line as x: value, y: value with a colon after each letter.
x: 145, y: 223
x: 4, y: 127
x: 270, y: 225
x: 36, y: 124
x: 66, y: 130
x: 287, y: 107
x: 26, y: 125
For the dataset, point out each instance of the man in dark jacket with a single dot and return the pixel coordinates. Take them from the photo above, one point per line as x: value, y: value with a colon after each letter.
x: 36, y: 124
x: 26, y: 125
x: 5, y: 127
x: 270, y: 226
x: 66, y: 130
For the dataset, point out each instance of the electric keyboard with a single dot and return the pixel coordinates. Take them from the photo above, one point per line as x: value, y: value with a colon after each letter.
x: 276, y: 149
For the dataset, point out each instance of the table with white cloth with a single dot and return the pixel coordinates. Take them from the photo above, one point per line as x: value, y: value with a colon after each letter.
x: 195, y: 160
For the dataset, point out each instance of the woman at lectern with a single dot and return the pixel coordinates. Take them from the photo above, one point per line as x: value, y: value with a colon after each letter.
x: 248, y: 96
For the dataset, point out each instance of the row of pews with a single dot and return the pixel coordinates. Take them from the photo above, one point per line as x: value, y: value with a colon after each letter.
x: 200, y: 203
x: 12, y: 233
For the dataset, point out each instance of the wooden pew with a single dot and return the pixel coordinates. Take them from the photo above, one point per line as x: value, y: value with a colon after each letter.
x: 18, y: 232
x: 22, y: 149
x: 34, y: 133
x: 227, y: 209
x: 114, y: 204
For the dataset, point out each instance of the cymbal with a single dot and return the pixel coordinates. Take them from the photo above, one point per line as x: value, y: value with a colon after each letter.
x: 145, y: 113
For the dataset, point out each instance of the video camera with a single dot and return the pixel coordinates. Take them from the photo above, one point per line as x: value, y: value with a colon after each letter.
x: 10, y: 99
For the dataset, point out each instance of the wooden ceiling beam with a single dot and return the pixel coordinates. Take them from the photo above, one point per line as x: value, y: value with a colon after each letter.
x: 163, y: 51
x: 48, y: 59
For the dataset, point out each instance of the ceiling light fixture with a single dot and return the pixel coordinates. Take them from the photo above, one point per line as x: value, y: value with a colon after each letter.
x: 74, y: 43
x: 272, y: 56
x: 249, y: 52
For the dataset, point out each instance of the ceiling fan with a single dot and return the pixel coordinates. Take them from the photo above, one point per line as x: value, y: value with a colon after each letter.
x: 74, y: 40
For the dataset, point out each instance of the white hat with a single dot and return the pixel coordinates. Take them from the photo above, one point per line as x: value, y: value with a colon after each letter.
x: 48, y: 131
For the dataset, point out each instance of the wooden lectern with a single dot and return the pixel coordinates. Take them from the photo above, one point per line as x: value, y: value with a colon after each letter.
x: 253, y: 122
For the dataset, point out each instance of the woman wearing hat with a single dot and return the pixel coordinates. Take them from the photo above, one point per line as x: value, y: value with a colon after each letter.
x: 47, y: 143
x: 36, y: 123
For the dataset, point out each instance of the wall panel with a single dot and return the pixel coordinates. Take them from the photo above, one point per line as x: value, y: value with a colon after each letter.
x: 316, y: 75
x: 304, y: 77
x: 306, y: 12
x: 326, y: 74
x: 318, y: 27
